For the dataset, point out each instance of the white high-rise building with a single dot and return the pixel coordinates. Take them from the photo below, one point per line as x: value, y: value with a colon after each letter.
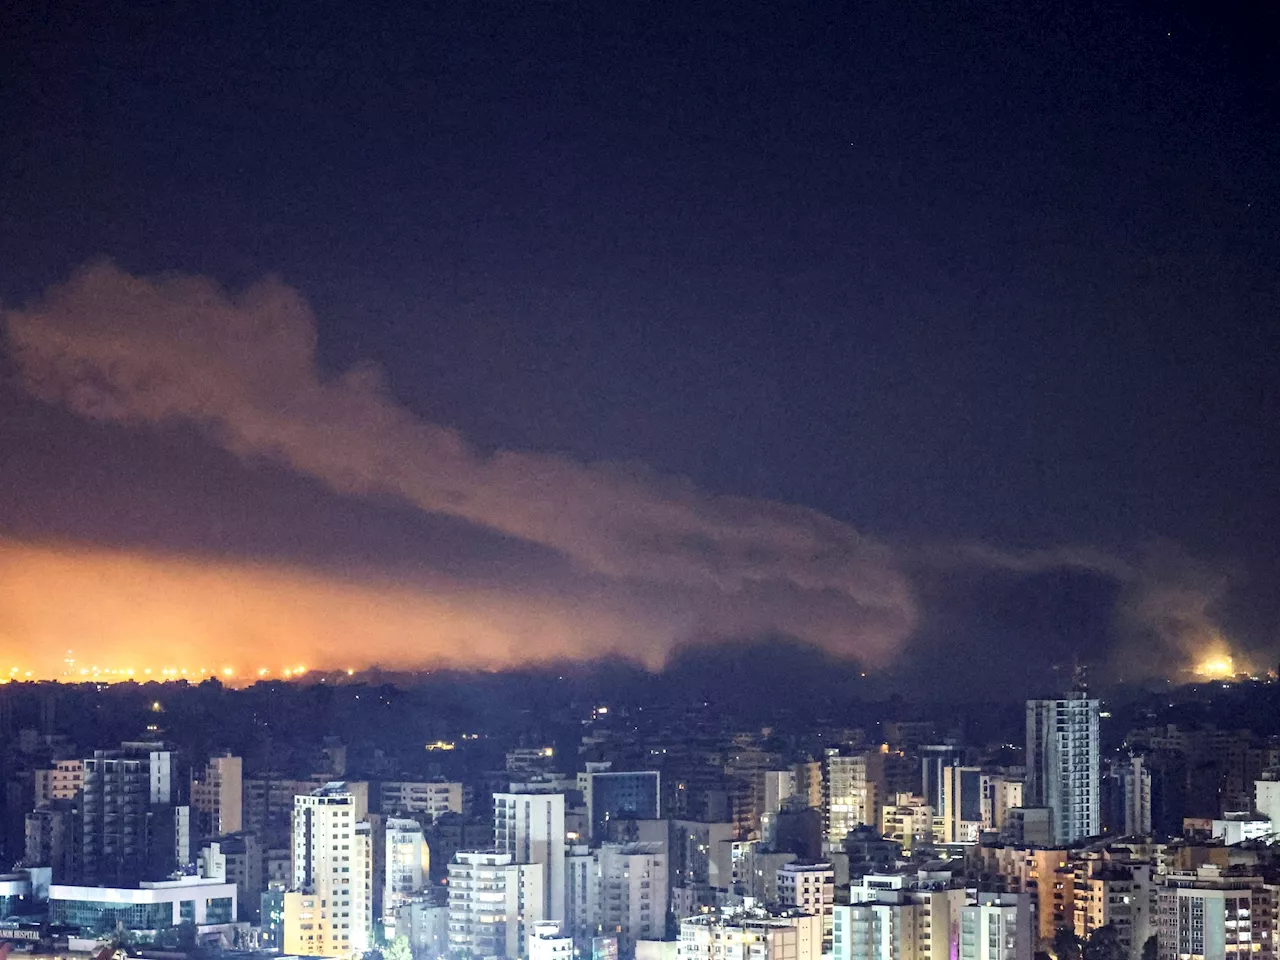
x: 406, y: 864
x: 931, y: 921
x: 811, y: 887
x: 632, y: 899
x: 582, y: 897
x: 1062, y: 765
x: 327, y: 914
x: 530, y: 827
x: 494, y: 904
x: 898, y: 924
x: 1135, y: 786
x: 997, y: 927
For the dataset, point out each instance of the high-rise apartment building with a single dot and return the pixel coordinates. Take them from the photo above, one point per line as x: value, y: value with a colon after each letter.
x: 1117, y: 894
x: 327, y: 914
x: 932, y: 921
x: 779, y: 785
x: 406, y: 862
x: 217, y: 797
x: 934, y: 758
x: 699, y: 857
x: 811, y: 887
x: 133, y: 827
x: 996, y: 927
x: 851, y: 792
x: 530, y: 827
x: 899, y: 924
x: 267, y: 807
x: 1063, y: 765
x: 908, y: 820
x: 493, y: 904
x: 632, y: 902
x: 1215, y: 913
x: 1134, y: 788
x: 53, y: 839
x: 582, y: 897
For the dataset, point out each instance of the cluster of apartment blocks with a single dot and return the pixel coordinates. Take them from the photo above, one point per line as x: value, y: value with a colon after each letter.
x: 573, y: 861
x: 127, y: 824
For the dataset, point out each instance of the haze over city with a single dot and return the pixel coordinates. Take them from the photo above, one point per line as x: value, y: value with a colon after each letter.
x: 924, y: 340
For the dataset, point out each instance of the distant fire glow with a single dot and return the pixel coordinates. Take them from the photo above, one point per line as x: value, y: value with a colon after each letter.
x: 1216, y: 667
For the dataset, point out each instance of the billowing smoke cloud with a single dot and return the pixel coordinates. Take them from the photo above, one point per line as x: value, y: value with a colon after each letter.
x: 180, y: 349
x: 658, y: 561
x: 1164, y: 616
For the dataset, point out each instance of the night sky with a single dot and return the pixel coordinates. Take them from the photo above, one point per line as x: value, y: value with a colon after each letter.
x: 943, y: 336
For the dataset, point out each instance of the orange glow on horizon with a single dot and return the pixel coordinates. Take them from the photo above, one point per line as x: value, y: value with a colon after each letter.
x: 148, y: 617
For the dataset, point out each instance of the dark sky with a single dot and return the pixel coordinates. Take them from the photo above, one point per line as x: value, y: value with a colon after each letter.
x: 997, y: 274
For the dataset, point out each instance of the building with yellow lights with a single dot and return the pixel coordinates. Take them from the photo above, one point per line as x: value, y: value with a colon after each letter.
x: 1215, y: 913
x: 406, y: 865
x: 328, y: 913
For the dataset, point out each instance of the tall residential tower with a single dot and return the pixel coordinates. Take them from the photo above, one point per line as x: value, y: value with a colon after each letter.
x: 1062, y: 764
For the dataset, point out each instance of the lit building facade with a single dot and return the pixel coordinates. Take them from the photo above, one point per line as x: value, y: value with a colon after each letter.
x: 406, y: 864
x: 810, y: 887
x: 958, y: 816
x: 996, y: 927
x: 530, y: 828
x: 632, y: 898
x: 1213, y: 914
x: 420, y: 798
x: 751, y: 935
x: 146, y: 909
x: 850, y: 787
x: 1063, y: 765
x: 63, y: 781
x: 328, y: 913
x: 493, y: 904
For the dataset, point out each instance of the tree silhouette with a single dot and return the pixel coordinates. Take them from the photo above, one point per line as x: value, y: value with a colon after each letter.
x: 1066, y: 945
x: 1104, y: 944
